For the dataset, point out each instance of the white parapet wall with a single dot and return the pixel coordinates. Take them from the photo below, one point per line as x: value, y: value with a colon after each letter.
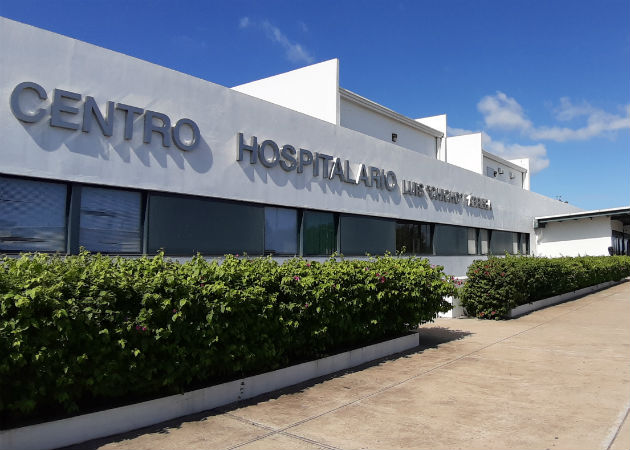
x: 456, y: 311
x: 465, y: 151
x: 438, y: 123
x: 550, y: 301
x: 457, y: 308
x: 312, y: 90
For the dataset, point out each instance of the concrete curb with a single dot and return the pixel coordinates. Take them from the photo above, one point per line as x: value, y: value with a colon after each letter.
x: 74, y: 430
x: 539, y: 304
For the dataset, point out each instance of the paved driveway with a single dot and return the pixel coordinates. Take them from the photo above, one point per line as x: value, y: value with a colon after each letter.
x: 556, y: 378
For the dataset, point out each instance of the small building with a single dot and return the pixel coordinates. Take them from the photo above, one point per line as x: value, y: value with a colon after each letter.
x: 595, y: 233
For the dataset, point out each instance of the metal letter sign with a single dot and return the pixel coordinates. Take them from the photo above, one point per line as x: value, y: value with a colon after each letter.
x: 65, y: 109
x: 270, y: 154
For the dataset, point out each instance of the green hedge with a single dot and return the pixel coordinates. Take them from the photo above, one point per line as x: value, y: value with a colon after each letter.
x: 497, y: 285
x: 76, y: 330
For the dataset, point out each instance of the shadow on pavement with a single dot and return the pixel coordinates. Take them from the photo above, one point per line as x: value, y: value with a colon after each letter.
x: 430, y: 338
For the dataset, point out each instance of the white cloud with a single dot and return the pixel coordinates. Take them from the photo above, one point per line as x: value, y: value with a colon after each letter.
x: 598, y: 122
x: 568, y: 111
x: 536, y: 153
x: 504, y: 113
x: 294, y: 51
x: 501, y: 111
x: 244, y: 22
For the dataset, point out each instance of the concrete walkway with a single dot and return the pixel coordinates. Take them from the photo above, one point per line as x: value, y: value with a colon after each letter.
x: 556, y: 378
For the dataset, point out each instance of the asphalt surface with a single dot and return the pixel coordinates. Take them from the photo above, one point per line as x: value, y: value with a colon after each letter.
x: 558, y: 378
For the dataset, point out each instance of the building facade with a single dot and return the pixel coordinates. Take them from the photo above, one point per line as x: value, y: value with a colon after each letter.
x: 117, y: 155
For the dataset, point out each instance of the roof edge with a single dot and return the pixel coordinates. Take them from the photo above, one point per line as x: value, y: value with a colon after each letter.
x: 369, y: 104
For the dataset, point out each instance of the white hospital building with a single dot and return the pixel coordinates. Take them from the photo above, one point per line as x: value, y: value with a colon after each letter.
x: 120, y: 156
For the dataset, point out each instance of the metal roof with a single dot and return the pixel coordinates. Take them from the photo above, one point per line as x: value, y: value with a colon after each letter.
x: 622, y: 214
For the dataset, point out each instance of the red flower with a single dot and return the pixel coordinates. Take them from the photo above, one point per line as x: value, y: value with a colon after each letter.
x: 382, y: 279
x: 296, y: 278
x: 502, y: 274
x: 144, y: 328
x: 308, y: 264
x: 138, y: 327
x: 493, y: 313
x: 487, y: 273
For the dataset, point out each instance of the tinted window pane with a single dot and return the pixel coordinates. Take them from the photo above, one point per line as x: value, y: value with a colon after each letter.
x: 482, y: 242
x: 187, y: 225
x: 110, y: 220
x: 450, y: 240
x: 32, y: 215
x: 414, y: 238
x: 281, y: 231
x: 524, y: 243
x: 318, y: 230
x: 502, y: 241
x: 472, y: 241
x: 360, y: 235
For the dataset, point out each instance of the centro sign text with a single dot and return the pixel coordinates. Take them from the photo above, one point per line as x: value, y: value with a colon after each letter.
x: 64, y: 112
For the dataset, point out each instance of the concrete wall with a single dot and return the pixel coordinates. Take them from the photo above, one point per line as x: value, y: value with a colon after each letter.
x: 211, y: 169
x: 509, y: 175
x: 574, y: 237
x: 312, y: 90
x: 465, y: 151
x: 524, y: 163
x: 371, y: 123
x: 437, y: 123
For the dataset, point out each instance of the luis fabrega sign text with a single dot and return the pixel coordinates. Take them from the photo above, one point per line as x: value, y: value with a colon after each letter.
x: 269, y: 154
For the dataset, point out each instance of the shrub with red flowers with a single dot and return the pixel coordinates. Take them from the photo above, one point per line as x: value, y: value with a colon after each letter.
x: 497, y: 285
x: 86, y: 329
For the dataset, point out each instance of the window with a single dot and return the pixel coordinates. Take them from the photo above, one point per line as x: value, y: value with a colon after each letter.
x: 414, y: 238
x: 524, y: 243
x: 110, y: 220
x: 187, y: 225
x: 450, y: 240
x: 502, y: 242
x: 491, y: 172
x: 281, y: 231
x: 482, y: 242
x: 319, y: 235
x: 32, y: 215
x: 618, y: 243
x: 360, y: 235
x: 472, y: 241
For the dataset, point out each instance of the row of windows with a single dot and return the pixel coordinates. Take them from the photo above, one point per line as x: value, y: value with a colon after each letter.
x: 58, y: 217
x: 620, y: 243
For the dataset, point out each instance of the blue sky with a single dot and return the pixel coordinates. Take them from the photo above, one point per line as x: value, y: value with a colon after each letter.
x: 549, y: 80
